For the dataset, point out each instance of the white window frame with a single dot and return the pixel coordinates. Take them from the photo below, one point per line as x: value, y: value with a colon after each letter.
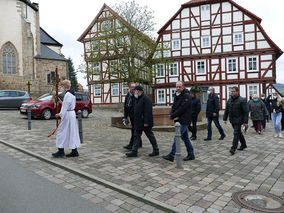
x: 205, y: 12
x: 160, y: 71
x: 229, y: 87
x: 205, y: 44
x: 115, y: 87
x: 248, y: 63
x: 125, y: 87
x: 175, y: 46
x: 172, y: 66
x: 172, y: 92
x: 98, y: 89
x: 228, y: 65
x: 237, y: 41
x: 96, y: 67
x: 205, y: 70
x: 158, y: 98
x: 249, y: 91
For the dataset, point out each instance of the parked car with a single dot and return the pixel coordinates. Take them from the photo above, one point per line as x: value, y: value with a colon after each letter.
x: 13, y: 98
x: 44, y: 106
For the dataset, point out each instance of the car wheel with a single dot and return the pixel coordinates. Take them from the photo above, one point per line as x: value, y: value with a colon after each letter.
x: 85, y: 113
x: 46, y: 114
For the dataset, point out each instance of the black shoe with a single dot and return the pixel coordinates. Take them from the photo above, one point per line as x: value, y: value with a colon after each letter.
x: 189, y: 157
x: 222, y: 137
x: 129, y: 147
x: 58, y: 154
x: 72, y: 154
x: 207, y: 139
x: 193, y: 138
x: 169, y: 158
x: 154, y: 153
x: 242, y: 148
x: 131, y: 154
x: 232, y: 152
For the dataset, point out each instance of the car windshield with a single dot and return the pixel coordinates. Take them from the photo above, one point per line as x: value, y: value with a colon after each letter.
x: 45, y: 97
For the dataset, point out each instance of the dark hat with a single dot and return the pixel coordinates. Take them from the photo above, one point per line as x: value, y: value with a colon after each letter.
x: 138, y: 87
x: 193, y: 91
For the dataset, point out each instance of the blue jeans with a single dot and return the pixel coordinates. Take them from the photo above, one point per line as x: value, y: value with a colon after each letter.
x: 185, y: 138
x: 217, y: 124
x: 276, y: 119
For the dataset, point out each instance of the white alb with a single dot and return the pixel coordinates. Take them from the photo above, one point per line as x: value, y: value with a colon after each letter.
x: 68, y: 134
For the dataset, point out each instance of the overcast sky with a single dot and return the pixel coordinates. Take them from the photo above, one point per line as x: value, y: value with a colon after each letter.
x: 66, y: 20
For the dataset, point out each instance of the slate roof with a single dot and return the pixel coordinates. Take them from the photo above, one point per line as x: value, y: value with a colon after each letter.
x: 32, y: 5
x: 47, y: 53
x: 45, y: 38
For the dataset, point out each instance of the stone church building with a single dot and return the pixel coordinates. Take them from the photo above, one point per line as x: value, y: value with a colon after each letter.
x: 27, y: 52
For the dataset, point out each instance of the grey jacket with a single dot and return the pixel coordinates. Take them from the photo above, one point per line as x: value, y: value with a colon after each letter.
x: 257, y: 110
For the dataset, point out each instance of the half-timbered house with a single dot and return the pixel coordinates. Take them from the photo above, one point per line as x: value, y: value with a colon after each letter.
x: 115, y: 54
x: 214, y: 43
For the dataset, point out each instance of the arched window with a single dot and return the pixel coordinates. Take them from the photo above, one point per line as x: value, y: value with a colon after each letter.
x: 9, y: 60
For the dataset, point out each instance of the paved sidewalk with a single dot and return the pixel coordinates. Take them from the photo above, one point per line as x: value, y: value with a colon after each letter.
x: 204, y: 185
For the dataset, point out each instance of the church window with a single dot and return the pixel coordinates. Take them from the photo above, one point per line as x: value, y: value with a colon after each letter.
x: 9, y: 60
x: 50, y: 77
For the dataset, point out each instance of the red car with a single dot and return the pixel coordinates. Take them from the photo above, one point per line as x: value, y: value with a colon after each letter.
x: 44, y: 107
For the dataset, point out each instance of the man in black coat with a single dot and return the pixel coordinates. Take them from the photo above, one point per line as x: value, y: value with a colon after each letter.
x: 212, y: 114
x: 237, y: 110
x: 129, y: 113
x: 181, y: 112
x: 195, y: 110
x: 143, y: 119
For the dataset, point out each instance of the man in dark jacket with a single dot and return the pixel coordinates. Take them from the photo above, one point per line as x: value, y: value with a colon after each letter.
x: 195, y: 109
x: 237, y: 110
x: 212, y: 114
x: 181, y: 112
x: 129, y: 113
x: 143, y: 121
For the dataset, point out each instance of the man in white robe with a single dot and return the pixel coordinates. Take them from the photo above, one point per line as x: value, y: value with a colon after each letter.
x: 67, y: 134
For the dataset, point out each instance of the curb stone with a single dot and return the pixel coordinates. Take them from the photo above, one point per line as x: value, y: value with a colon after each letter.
x: 140, y: 197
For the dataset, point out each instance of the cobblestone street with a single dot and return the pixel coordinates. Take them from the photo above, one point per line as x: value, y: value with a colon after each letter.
x: 204, y: 185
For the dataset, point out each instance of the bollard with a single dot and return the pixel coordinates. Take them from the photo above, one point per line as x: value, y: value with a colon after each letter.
x: 178, y: 148
x: 80, y: 125
x: 29, y: 118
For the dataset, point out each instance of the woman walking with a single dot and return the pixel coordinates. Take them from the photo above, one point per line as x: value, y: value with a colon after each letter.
x: 67, y: 135
x: 258, y: 112
x: 276, y: 114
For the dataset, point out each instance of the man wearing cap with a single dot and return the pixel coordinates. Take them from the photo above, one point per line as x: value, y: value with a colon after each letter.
x: 195, y: 109
x: 143, y: 121
x: 181, y: 112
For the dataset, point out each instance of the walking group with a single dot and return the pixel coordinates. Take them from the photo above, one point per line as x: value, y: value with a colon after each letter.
x: 138, y: 111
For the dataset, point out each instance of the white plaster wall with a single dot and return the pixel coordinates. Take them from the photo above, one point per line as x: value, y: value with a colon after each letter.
x: 175, y: 24
x: 32, y: 18
x: 185, y: 13
x: 184, y: 23
x: 11, y: 28
x: 266, y: 57
x: 263, y: 44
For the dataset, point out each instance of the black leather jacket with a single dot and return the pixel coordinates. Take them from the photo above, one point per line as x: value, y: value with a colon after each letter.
x: 237, y: 110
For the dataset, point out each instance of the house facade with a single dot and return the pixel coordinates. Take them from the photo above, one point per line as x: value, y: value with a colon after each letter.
x: 114, y: 52
x: 28, y: 53
x: 214, y: 43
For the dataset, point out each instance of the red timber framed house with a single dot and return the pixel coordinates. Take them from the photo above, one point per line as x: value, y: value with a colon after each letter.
x: 115, y: 54
x: 215, y: 43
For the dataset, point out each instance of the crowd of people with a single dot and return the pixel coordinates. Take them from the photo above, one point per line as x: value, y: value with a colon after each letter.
x: 138, y: 111
x: 185, y: 109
